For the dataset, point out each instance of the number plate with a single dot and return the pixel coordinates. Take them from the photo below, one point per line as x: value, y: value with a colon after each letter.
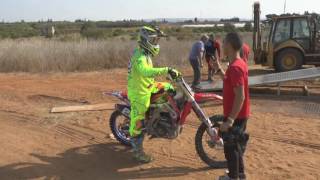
x: 126, y: 112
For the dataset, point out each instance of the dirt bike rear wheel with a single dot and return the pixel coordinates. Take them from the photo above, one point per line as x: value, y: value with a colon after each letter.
x: 216, y: 161
x: 121, y: 136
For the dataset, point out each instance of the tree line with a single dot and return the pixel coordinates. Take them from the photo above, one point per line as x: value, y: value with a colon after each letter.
x: 103, y: 29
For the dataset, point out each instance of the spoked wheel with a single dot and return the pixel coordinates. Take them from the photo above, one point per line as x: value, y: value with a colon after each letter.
x: 119, y: 125
x: 211, y: 154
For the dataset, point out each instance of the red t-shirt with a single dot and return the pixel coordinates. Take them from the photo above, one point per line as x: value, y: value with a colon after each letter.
x: 245, y: 52
x: 218, y: 47
x: 236, y: 75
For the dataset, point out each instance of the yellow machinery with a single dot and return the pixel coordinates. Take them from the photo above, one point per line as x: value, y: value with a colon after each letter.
x: 286, y: 42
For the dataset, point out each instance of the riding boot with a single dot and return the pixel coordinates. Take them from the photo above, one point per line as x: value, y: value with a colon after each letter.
x: 138, y: 153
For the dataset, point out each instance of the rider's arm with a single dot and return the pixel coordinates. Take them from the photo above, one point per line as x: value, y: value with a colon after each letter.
x: 238, y: 101
x: 200, y: 57
x: 221, y: 73
x: 217, y: 52
x: 219, y: 69
x: 218, y: 48
x: 237, y: 81
x: 145, y: 70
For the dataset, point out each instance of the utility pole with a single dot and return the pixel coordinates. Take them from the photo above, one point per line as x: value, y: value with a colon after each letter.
x: 285, y: 6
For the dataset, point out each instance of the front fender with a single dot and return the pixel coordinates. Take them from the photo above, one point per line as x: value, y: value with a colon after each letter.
x: 123, y: 109
x: 202, y: 97
x: 288, y: 44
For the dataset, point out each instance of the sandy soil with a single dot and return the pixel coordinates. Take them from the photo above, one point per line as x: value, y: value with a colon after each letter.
x: 284, y: 144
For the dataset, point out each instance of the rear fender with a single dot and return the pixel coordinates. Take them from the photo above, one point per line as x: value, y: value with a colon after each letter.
x: 123, y: 109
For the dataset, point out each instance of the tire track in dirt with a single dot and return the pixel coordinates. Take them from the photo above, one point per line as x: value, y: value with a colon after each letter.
x: 65, y: 130
x: 179, y: 160
x: 294, y: 142
x: 77, y: 135
x: 19, y: 114
x: 26, y: 119
x: 46, y: 98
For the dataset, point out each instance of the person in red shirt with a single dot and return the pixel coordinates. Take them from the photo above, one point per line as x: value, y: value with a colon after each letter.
x: 217, y: 45
x: 236, y: 106
x: 245, y: 52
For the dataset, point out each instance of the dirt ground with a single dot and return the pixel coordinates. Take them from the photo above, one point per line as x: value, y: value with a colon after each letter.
x: 284, y: 144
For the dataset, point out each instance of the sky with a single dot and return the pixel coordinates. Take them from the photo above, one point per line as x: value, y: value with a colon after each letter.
x: 34, y: 10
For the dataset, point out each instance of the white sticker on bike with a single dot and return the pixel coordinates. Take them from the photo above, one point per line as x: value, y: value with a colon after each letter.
x: 126, y: 112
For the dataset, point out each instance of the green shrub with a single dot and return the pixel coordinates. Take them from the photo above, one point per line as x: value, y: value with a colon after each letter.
x: 248, y: 27
x: 17, y: 30
x: 118, y: 32
x: 228, y: 27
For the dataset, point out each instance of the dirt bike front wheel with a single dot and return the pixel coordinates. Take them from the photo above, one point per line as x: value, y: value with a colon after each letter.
x: 119, y: 125
x: 208, y: 153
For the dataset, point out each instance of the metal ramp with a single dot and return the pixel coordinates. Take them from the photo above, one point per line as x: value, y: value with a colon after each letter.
x: 267, y: 79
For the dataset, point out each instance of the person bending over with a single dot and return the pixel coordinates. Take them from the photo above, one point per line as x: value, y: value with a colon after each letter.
x: 212, y: 53
x: 195, y: 59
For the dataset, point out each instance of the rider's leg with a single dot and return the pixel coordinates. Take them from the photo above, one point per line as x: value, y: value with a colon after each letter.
x: 196, y: 73
x: 138, y: 153
x: 210, y: 69
x: 162, y: 85
x: 139, y: 107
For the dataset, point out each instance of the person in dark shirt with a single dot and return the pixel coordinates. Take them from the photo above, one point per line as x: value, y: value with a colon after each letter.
x: 236, y: 107
x: 212, y: 53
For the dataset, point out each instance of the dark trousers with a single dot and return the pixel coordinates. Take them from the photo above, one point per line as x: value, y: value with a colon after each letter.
x: 210, y: 68
x: 196, y: 71
x: 235, y: 143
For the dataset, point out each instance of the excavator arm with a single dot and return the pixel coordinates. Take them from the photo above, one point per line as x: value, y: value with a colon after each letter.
x: 317, y: 33
x: 256, y: 33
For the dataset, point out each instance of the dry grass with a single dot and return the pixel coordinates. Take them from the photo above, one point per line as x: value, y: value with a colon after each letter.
x: 42, y: 55
x: 45, y: 55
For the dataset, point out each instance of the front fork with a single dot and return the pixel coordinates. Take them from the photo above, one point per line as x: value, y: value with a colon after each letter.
x: 201, y: 115
x: 197, y: 109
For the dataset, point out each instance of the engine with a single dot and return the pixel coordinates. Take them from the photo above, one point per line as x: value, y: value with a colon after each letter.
x: 161, y: 121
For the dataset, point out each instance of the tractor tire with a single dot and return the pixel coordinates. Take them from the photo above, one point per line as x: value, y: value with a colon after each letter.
x: 288, y: 60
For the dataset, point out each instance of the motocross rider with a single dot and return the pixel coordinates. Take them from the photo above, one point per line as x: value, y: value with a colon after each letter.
x: 141, y: 85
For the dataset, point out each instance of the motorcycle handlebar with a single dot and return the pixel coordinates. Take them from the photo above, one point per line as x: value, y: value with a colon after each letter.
x: 177, y: 79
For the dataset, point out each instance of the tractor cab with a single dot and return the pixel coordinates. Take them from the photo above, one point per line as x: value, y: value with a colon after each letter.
x: 286, y: 42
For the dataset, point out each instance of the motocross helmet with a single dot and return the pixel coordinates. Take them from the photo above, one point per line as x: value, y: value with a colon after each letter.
x: 149, y: 39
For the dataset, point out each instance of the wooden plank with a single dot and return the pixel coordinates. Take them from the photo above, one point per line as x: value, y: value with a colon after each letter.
x: 95, y: 107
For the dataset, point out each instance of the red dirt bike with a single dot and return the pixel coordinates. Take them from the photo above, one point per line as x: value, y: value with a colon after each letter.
x: 167, y: 115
